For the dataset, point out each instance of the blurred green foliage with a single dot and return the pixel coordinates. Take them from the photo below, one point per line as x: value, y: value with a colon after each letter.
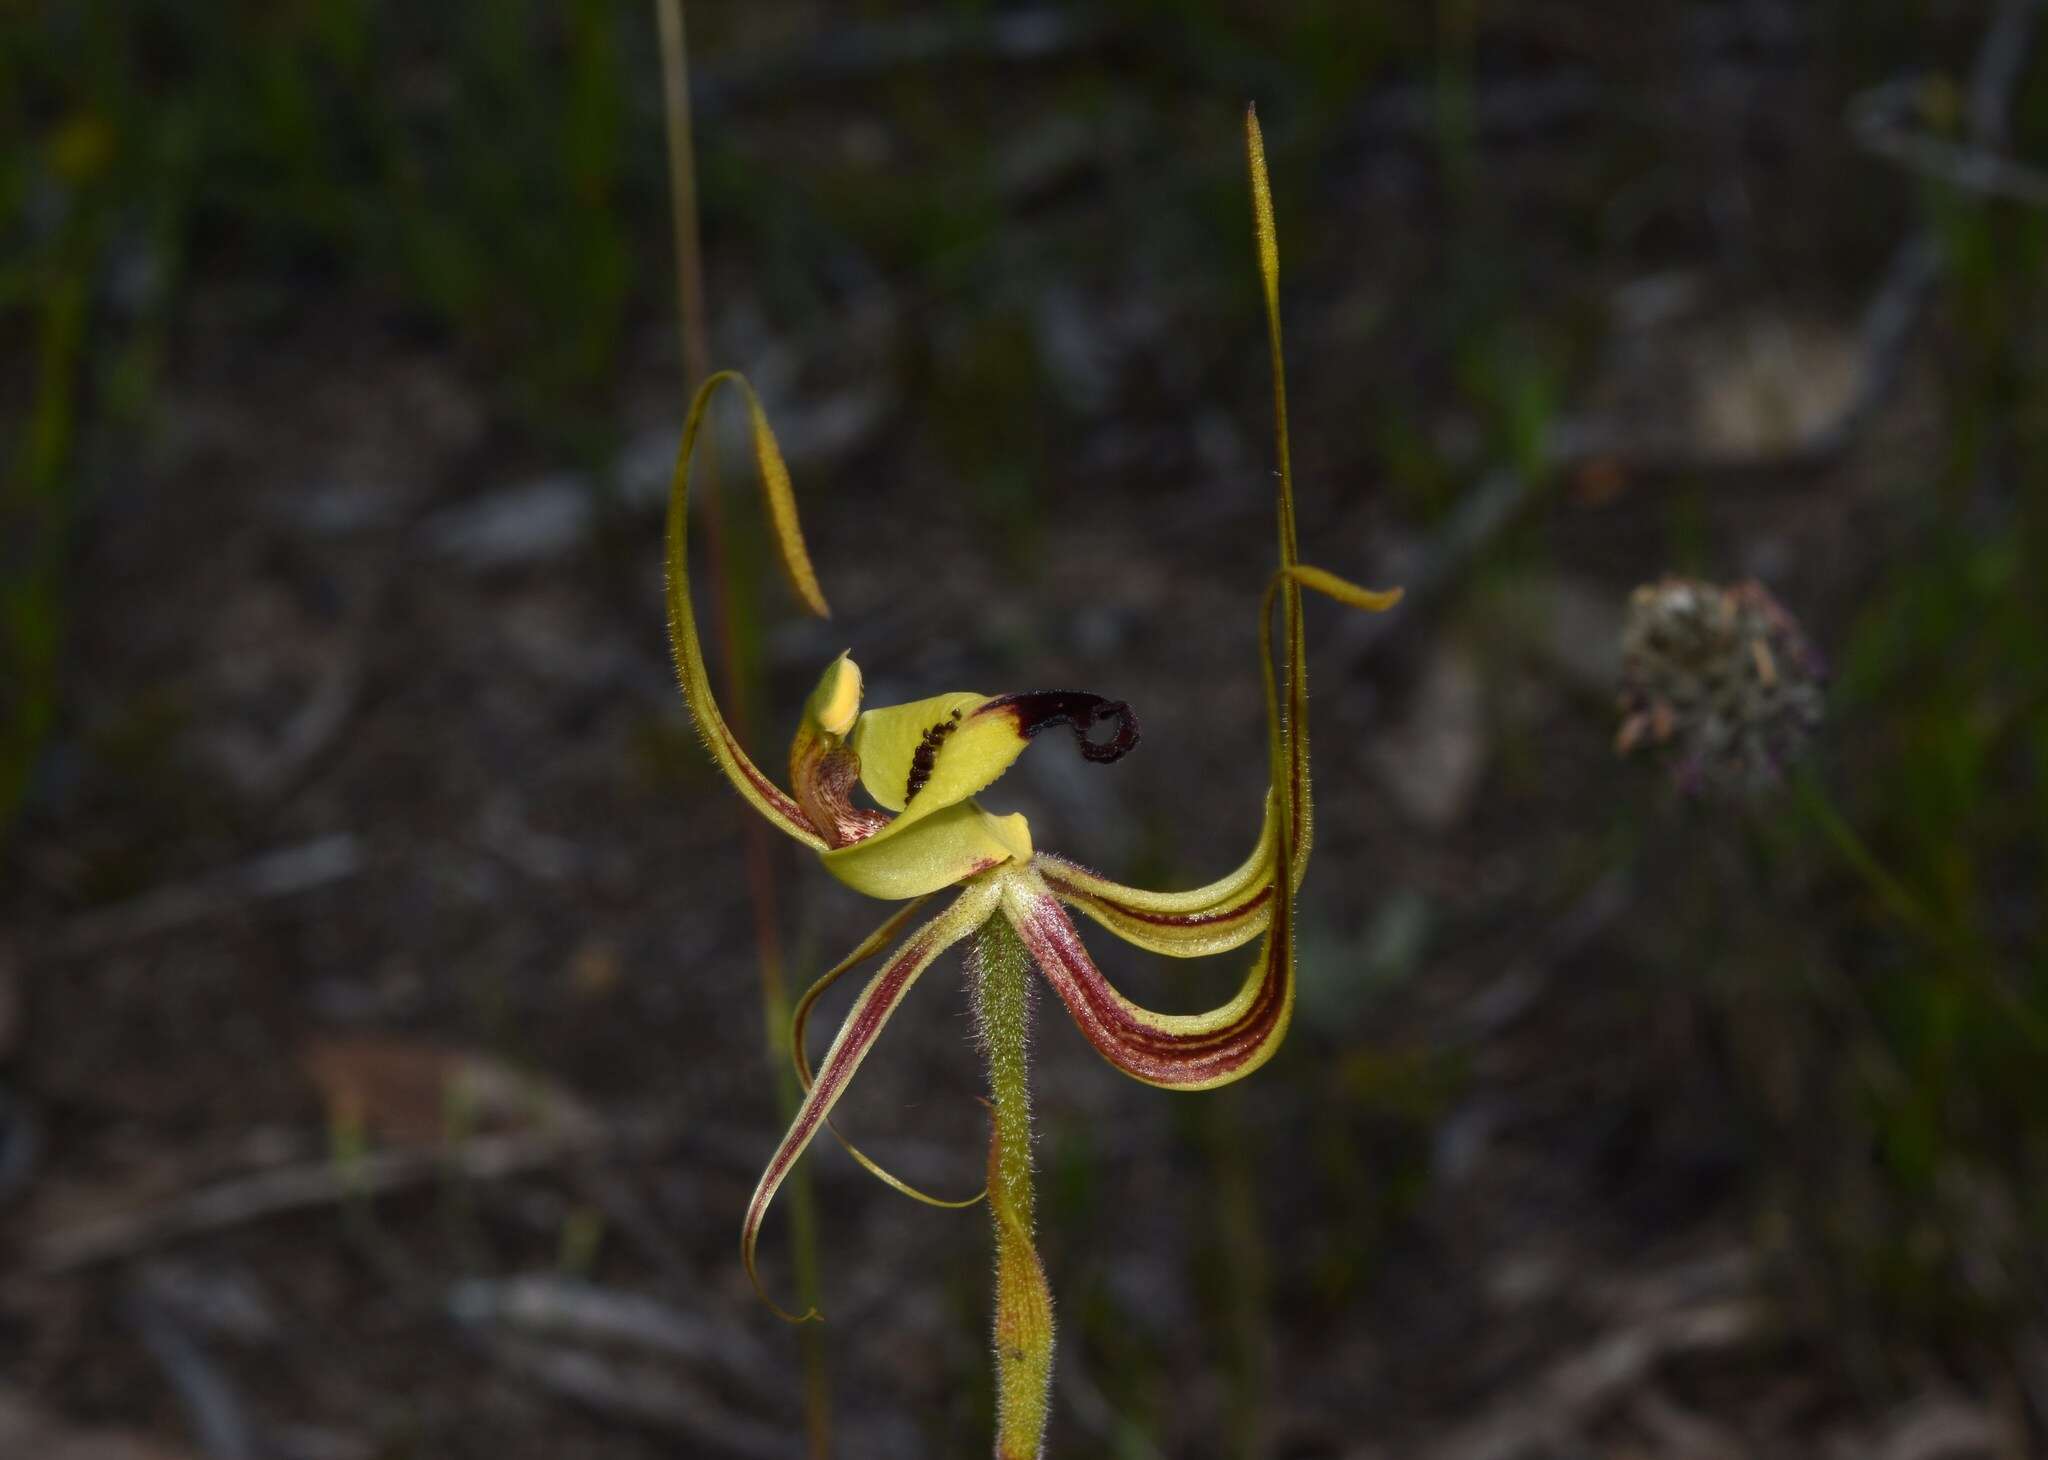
x: 1876, y: 952
x: 472, y: 170
x: 462, y: 162
x: 1946, y: 679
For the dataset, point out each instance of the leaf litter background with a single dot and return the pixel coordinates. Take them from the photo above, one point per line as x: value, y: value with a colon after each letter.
x: 380, y: 1053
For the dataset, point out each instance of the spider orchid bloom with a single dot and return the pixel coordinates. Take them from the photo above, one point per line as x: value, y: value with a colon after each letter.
x: 923, y: 765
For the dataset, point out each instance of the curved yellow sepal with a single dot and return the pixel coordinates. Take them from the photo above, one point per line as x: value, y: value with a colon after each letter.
x: 1238, y: 906
x: 912, y: 856
x: 747, y: 778
x: 789, y: 534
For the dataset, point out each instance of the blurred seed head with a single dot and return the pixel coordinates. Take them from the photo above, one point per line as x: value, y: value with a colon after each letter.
x: 1722, y: 678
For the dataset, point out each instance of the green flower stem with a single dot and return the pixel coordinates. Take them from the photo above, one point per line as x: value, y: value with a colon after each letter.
x: 1003, y: 1013
x: 1023, y: 1321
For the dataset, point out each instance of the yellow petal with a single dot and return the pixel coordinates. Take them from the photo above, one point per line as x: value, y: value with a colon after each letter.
x: 912, y: 856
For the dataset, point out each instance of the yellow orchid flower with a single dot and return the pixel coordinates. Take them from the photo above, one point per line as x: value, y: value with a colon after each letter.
x: 922, y: 765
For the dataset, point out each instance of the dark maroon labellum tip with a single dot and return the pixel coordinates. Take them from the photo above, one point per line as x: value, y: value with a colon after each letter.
x: 1039, y: 709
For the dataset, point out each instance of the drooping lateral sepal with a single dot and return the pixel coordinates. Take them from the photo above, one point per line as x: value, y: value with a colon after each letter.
x: 863, y: 1024
x: 1177, y: 1051
x: 1200, y: 927
x: 1194, y: 923
x: 799, y: 1024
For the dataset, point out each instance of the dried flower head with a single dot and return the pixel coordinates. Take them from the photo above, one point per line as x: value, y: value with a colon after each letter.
x: 1722, y: 676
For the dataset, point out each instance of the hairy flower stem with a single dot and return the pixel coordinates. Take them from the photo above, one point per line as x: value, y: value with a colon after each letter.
x: 1001, y: 972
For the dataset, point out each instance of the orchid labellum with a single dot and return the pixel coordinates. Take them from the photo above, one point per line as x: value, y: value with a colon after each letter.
x: 924, y: 835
